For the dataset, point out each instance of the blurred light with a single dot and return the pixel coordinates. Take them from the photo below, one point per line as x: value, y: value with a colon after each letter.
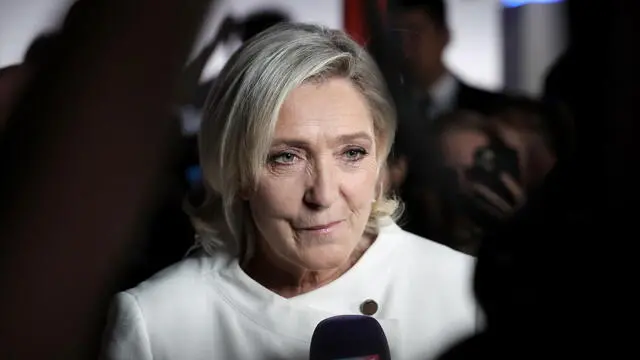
x: 516, y: 3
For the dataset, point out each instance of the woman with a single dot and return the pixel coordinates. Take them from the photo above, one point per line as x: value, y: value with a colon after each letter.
x: 523, y: 157
x: 296, y: 228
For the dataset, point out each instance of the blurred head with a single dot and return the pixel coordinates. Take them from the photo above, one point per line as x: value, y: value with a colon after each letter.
x: 79, y: 11
x: 422, y: 26
x: 42, y: 49
x: 15, y: 79
x: 260, y: 21
x: 296, y: 132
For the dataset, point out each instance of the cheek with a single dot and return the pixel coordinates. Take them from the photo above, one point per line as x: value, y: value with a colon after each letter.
x: 277, y: 196
x: 280, y: 196
x: 359, y: 187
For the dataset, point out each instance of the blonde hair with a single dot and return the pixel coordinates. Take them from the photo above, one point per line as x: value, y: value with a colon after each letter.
x: 242, y: 111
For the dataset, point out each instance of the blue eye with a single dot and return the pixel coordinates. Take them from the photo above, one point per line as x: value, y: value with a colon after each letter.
x: 284, y: 158
x: 355, y: 154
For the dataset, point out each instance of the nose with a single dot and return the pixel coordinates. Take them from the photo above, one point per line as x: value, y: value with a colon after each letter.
x: 323, y: 188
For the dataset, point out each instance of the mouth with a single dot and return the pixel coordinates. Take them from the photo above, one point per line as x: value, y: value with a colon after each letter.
x: 321, y: 229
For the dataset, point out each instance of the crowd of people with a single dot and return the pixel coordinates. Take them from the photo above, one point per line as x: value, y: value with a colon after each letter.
x: 486, y: 150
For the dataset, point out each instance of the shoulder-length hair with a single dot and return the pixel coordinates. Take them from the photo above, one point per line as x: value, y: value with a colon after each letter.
x: 242, y: 110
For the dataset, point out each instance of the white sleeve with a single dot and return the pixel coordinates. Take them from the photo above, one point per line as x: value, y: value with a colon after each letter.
x: 126, y: 334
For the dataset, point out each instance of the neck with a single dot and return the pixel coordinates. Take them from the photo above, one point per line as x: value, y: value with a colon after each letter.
x: 289, y: 280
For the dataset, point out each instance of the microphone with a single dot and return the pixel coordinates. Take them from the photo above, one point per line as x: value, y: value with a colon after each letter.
x: 349, y: 337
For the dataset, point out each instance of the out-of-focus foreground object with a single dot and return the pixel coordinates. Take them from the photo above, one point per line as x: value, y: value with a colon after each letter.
x: 80, y: 160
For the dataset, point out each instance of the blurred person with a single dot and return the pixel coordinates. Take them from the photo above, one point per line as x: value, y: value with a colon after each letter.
x: 14, y: 79
x: 169, y: 230
x: 43, y: 48
x: 479, y: 184
x: 422, y: 29
x: 424, y: 32
x: 73, y: 203
x: 564, y: 254
x: 296, y: 227
x: 521, y: 128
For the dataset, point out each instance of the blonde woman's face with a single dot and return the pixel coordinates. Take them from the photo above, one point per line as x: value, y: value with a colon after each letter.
x: 317, y: 186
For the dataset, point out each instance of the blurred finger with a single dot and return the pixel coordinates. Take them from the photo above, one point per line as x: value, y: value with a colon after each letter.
x: 515, y: 188
x: 492, y: 198
x: 488, y: 208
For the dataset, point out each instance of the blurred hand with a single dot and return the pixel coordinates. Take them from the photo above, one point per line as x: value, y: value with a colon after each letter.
x: 497, y: 207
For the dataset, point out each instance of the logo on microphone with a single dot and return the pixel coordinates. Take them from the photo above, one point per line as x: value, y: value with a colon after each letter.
x: 370, y: 357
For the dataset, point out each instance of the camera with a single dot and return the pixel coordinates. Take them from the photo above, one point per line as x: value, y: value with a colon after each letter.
x: 490, y: 162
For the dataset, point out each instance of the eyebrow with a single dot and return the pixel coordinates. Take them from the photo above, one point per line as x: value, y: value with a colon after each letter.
x: 342, y: 139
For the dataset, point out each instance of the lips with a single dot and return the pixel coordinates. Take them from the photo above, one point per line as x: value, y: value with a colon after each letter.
x: 323, y: 227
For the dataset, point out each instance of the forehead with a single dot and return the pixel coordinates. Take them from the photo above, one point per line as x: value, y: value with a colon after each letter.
x: 327, y: 109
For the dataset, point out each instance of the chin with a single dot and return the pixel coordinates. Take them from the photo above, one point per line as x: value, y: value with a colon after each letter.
x: 326, y: 256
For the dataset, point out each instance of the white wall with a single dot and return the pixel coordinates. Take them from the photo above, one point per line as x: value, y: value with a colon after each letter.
x: 21, y: 21
x: 537, y: 37
x: 475, y: 52
x: 543, y: 38
x: 325, y: 12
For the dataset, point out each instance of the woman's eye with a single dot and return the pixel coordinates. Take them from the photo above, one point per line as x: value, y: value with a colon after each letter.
x: 285, y: 158
x: 355, y: 154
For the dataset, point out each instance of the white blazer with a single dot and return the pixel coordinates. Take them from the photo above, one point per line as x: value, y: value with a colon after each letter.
x: 206, y: 307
